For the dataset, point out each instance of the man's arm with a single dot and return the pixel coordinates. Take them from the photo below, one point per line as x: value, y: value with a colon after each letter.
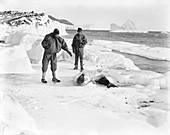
x: 84, y: 40
x: 45, y: 43
x: 64, y: 46
x: 73, y: 44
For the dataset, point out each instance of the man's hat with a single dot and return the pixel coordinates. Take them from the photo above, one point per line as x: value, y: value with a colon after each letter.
x: 56, y: 31
x: 79, y: 30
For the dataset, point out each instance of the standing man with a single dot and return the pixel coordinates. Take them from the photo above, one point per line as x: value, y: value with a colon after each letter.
x: 79, y: 41
x: 52, y: 44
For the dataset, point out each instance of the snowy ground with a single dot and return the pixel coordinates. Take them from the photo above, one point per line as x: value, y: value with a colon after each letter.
x: 64, y: 108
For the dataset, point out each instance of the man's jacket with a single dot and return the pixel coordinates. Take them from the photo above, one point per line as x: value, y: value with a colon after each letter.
x: 79, y: 41
x: 53, y: 44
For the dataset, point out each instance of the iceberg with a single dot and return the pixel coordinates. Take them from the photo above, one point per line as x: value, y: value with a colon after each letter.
x: 128, y: 26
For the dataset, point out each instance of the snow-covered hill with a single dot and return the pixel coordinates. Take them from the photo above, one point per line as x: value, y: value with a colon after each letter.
x: 29, y: 22
x: 16, y: 18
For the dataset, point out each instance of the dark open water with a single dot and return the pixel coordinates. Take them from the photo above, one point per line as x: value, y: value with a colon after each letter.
x: 149, y: 39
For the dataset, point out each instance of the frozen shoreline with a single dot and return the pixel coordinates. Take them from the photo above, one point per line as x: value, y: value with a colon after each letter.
x: 155, y: 53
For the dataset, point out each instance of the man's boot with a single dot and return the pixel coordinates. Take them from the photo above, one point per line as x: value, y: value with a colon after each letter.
x: 81, y: 69
x: 54, y: 79
x: 43, y: 78
x: 75, y: 68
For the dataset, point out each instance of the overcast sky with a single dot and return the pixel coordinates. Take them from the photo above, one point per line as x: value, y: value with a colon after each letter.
x: 147, y: 14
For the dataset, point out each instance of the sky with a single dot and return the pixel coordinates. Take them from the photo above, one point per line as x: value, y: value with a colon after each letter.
x: 146, y: 14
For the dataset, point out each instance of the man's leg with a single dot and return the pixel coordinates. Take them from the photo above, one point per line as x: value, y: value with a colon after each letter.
x: 81, y: 51
x: 54, y: 67
x: 76, y: 60
x: 45, y: 62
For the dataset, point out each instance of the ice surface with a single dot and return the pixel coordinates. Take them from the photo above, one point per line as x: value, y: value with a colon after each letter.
x: 14, y: 120
x: 155, y: 53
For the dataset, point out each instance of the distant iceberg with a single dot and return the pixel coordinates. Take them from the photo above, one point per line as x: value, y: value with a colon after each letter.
x: 128, y: 26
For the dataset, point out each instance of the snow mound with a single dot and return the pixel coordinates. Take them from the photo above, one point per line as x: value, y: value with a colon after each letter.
x: 3, y: 30
x: 14, y: 38
x: 32, y: 44
x: 150, y: 79
x: 103, y: 57
x: 155, y: 53
x: 14, y: 60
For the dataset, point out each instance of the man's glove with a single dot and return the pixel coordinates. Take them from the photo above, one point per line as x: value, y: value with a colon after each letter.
x: 69, y: 53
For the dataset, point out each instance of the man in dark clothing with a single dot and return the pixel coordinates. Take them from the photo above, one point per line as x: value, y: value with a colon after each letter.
x: 52, y: 44
x: 79, y: 41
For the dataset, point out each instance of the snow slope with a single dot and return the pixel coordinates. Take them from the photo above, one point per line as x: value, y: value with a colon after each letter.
x: 155, y: 53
